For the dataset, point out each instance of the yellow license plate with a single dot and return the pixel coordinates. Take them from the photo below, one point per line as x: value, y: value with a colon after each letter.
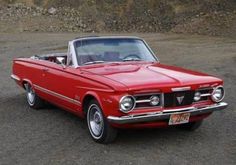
x: 179, y: 118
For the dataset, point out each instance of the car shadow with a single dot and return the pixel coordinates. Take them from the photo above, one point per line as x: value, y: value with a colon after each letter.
x: 67, y: 120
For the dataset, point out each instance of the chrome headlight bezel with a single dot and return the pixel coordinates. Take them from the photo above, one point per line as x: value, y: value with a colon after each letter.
x: 215, y: 92
x: 127, y: 110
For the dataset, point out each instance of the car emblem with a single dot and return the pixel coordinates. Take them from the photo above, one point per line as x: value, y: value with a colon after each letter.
x: 180, y: 99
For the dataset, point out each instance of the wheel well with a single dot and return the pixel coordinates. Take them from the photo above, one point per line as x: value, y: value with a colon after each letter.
x: 86, y: 101
x: 23, y: 84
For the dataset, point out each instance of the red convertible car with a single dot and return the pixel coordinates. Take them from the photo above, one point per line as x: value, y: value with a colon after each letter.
x: 118, y: 82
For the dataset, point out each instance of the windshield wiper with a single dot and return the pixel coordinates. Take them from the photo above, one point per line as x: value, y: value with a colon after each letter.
x: 132, y: 59
x: 93, y: 62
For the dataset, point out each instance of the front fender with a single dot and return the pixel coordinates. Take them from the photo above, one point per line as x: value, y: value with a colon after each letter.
x: 93, y: 94
x: 109, y: 102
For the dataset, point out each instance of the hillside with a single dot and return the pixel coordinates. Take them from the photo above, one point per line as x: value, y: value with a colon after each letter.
x: 210, y: 17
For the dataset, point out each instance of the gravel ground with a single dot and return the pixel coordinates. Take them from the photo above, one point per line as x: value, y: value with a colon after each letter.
x: 54, y: 136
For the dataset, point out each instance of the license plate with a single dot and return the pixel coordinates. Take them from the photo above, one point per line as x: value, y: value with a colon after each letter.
x: 179, y: 118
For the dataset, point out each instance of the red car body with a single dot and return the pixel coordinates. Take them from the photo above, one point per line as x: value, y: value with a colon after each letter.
x: 71, y: 88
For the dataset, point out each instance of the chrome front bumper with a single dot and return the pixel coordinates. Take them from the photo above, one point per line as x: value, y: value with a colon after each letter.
x: 14, y: 77
x: 156, y: 116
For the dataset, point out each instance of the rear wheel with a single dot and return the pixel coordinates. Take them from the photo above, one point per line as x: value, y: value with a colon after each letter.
x: 100, y: 130
x: 191, y: 126
x: 33, y: 99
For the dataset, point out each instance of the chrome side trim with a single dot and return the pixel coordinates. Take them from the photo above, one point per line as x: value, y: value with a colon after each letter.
x: 181, y: 89
x: 57, y: 95
x: 157, y: 116
x: 15, y: 77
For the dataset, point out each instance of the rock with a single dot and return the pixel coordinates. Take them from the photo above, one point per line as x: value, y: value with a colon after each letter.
x: 52, y: 11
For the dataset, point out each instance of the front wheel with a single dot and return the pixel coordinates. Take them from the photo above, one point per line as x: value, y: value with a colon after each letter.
x: 99, y: 129
x: 33, y: 99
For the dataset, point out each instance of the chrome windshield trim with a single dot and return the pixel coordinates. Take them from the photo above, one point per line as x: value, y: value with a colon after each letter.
x: 57, y: 95
x: 179, y: 89
x: 157, y: 116
x: 71, y: 49
x: 105, y: 37
x: 15, y: 77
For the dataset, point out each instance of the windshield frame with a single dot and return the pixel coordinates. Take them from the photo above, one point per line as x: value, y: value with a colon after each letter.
x: 112, y: 37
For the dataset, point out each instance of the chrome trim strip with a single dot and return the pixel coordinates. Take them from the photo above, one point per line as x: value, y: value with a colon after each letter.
x: 181, y: 89
x: 97, y: 89
x: 162, y: 100
x: 104, y: 37
x: 15, y: 77
x: 143, y: 101
x: 152, y: 52
x: 177, y: 110
x: 57, y: 95
x: 73, y: 54
x: 206, y: 94
x: 156, y: 116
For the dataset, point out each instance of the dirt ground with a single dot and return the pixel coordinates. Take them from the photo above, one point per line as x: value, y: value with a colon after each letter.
x: 202, y: 17
x: 54, y: 136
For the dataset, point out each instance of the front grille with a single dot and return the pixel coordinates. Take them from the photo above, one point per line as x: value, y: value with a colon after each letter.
x: 143, y: 100
x: 173, y: 99
x: 176, y: 99
x: 206, y: 93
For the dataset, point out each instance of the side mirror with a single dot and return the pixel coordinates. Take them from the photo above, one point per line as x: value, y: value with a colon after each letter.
x: 61, y: 61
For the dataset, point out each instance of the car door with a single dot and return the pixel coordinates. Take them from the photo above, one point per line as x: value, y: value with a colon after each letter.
x: 60, y: 86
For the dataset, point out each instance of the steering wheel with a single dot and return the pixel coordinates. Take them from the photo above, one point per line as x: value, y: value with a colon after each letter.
x: 131, y: 56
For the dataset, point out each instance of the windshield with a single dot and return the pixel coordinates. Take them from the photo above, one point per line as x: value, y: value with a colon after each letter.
x: 93, y: 51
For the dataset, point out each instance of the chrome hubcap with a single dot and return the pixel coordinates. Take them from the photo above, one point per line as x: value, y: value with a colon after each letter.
x: 30, y: 95
x: 95, y: 121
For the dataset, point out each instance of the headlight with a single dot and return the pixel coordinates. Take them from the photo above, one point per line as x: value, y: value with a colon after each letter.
x: 218, y: 94
x: 197, y: 96
x: 127, y: 104
x: 154, y: 100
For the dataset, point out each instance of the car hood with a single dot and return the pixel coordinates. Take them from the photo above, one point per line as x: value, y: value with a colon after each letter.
x: 141, y: 76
